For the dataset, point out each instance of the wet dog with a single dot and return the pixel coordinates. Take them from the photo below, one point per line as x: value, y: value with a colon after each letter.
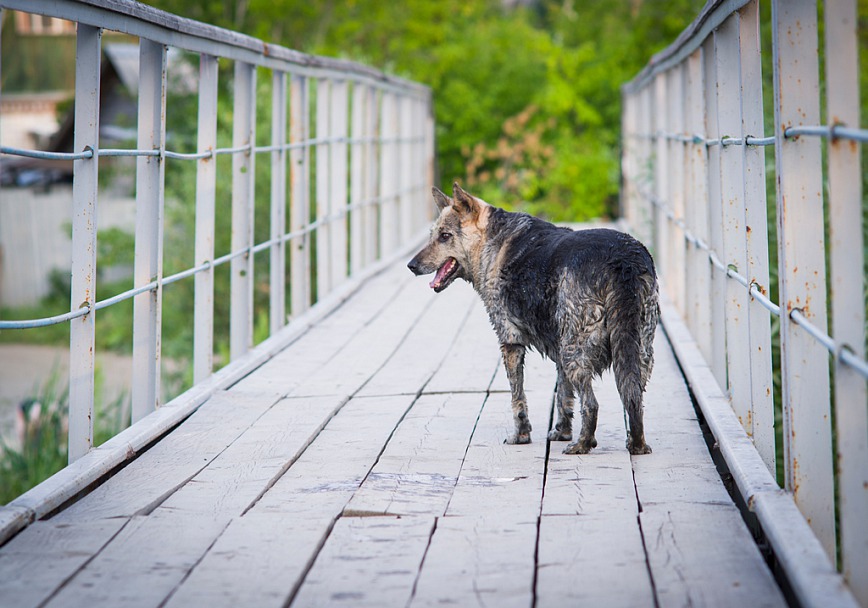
x: 586, y: 299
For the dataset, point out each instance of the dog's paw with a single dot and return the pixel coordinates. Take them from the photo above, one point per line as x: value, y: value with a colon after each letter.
x: 582, y: 446
x: 559, y: 435
x: 637, y: 450
x: 517, y: 439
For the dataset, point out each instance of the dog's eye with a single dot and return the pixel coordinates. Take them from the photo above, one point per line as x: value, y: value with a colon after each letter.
x: 444, y: 236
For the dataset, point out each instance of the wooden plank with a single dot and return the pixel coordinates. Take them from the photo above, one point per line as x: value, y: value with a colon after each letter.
x: 367, y: 561
x: 406, y: 317
x: 146, y: 482
x: 420, y: 465
x: 483, y: 560
x: 703, y: 555
x: 472, y: 359
x: 592, y: 560
x: 37, y: 561
x: 272, y: 551
x: 296, y: 513
x: 680, y: 468
x: 426, y: 344
x: 290, y: 368
x: 598, y: 483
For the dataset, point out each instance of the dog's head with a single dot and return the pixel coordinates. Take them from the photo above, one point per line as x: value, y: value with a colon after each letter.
x: 457, y: 233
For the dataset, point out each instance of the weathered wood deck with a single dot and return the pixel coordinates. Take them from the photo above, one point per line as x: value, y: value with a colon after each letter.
x: 364, y: 465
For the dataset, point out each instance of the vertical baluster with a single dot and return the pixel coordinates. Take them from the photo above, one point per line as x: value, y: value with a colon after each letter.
x: 243, y: 166
x: 337, y: 204
x: 733, y: 251
x: 675, y: 107
x: 373, y: 191
x: 801, y: 268
x: 661, y: 180
x: 277, y: 263
x: 206, y: 183
x: 699, y: 269
x: 323, y: 183
x: 84, y: 214
x: 299, y: 132
x: 846, y: 291
x: 150, y: 171
x: 756, y: 236
x: 715, y: 233
x: 358, y: 176
x: 406, y: 211
x: 388, y: 175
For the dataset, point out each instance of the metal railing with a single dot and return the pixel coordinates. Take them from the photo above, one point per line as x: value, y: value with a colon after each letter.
x: 354, y: 146
x: 695, y: 190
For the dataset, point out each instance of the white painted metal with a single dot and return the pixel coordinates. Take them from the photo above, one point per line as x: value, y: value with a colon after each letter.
x: 733, y: 250
x: 676, y: 120
x: 372, y: 235
x: 846, y: 290
x: 762, y: 411
x: 715, y: 235
x: 358, y: 176
x: 150, y: 172
x: 801, y: 268
x: 84, y: 223
x: 206, y: 183
x: 323, y: 187
x: 389, y: 221
x: 661, y: 178
x: 299, y: 157
x: 696, y: 212
x: 277, y: 262
x: 243, y: 168
x: 337, y: 202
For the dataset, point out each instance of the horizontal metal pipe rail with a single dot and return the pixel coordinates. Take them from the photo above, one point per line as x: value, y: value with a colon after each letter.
x: 362, y: 200
x: 694, y: 189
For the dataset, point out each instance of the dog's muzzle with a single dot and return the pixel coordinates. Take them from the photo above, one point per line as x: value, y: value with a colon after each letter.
x: 413, y: 265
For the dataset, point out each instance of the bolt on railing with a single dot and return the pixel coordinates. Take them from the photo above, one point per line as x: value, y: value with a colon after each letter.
x: 367, y: 186
x: 695, y: 190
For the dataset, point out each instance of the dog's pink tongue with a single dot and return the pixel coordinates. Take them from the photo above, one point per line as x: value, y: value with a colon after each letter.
x: 441, y: 272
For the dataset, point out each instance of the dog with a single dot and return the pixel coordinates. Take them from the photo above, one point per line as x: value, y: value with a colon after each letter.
x: 586, y: 299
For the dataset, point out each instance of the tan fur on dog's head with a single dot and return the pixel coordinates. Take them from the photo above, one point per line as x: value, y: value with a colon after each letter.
x: 456, y: 239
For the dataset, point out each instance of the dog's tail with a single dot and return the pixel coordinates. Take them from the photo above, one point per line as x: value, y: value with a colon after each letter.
x: 633, y: 313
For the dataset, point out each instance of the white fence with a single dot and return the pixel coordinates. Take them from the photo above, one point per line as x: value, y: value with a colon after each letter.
x: 350, y: 147
x: 695, y: 190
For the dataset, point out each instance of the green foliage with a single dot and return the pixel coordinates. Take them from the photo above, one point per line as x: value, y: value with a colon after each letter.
x: 43, y: 436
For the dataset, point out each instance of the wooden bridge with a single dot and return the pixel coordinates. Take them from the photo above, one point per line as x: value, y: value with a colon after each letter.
x: 356, y: 456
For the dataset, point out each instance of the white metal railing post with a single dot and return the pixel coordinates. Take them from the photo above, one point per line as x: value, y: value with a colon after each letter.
x: 732, y: 218
x: 373, y: 192
x: 675, y: 107
x: 323, y: 185
x: 696, y: 212
x: 756, y: 236
x: 243, y: 180
x: 715, y: 233
x: 150, y: 171
x: 337, y: 201
x: 358, y: 163
x: 277, y: 261
x: 661, y: 178
x: 801, y: 268
x: 847, y: 284
x: 84, y: 222
x: 389, y: 221
x: 299, y: 131
x: 206, y: 183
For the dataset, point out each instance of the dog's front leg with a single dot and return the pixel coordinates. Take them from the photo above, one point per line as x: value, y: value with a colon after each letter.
x: 513, y: 361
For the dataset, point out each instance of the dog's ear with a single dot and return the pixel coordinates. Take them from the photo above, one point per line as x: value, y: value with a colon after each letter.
x: 464, y: 203
x: 441, y: 199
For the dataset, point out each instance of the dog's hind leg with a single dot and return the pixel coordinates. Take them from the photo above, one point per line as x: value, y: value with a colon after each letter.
x: 513, y: 361
x: 563, y: 430
x: 590, y: 407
